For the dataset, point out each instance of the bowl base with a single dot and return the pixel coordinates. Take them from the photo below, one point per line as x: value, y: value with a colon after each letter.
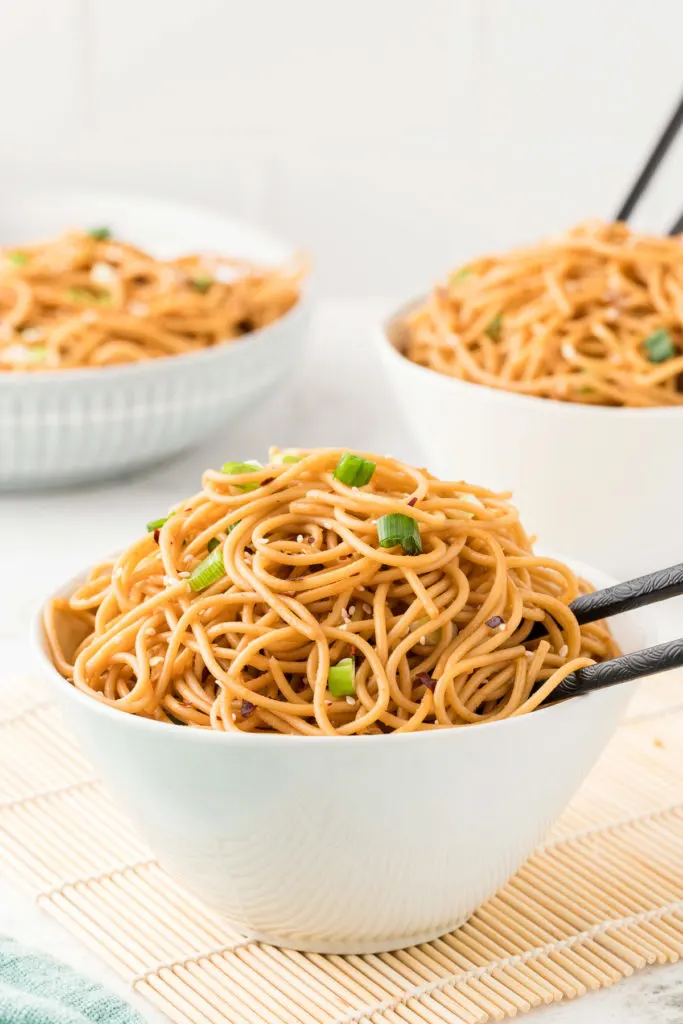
x: 350, y: 948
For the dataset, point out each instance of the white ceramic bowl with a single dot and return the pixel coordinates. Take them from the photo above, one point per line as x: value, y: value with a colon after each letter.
x: 347, y: 844
x: 601, y: 484
x: 75, y: 426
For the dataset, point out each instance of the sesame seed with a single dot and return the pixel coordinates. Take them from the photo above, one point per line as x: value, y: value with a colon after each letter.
x: 423, y: 639
x: 300, y: 538
x: 31, y: 334
x: 528, y: 654
x: 156, y: 660
x: 342, y: 625
x: 352, y: 609
x: 183, y: 575
x: 568, y: 351
x: 345, y: 615
x: 150, y: 631
x: 265, y: 540
x: 102, y: 273
x: 350, y: 700
x: 367, y: 609
x: 563, y: 651
x: 118, y: 573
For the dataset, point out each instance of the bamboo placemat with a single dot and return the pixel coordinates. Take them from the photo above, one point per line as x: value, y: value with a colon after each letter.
x: 601, y: 898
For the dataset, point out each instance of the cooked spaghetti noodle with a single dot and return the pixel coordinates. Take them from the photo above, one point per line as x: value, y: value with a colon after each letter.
x: 595, y: 316
x: 283, y: 598
x: 87, y: 300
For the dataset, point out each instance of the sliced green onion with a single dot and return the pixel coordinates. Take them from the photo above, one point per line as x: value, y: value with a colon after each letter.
x: 100, y: 234
x: 38, y: 354
x: 461, y: 274
x: 354, y: 470
x: 435, y: 635
x: 395, y: 529
x: 202, y: 283
x: 280, y: 459
x: 213, y: 544
x: 660, y: 346
x: 493, y: 329
x: 341, y: 678
x: 208, y: 571
x: 156, y: 524
x: 233, y: 468
x: 19, y: 259
x: 84, y: 295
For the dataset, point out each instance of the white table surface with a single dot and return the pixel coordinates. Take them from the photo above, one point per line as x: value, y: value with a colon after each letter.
x: 336, y: 398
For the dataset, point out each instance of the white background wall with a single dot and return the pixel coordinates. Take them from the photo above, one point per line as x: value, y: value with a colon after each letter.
x: 390, y: 137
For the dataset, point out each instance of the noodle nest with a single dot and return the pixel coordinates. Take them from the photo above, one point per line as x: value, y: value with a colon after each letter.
x: 594, y: 316
x: 299, y: 582
x: 86, y: 299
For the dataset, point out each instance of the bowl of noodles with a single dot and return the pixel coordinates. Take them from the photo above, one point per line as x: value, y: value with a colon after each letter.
x: 135, y: 332
x: 556, y: 371
x: 315, y: 688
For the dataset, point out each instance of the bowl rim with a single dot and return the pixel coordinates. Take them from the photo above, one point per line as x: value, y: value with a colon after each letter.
x: 126, y: 720
x: 527, y: 402
x: 17, y: 379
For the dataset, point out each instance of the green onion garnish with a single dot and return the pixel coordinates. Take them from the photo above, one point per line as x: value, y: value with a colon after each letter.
x: 213, y: 544
x: 208, y: 571
x: 353, y: 470
x: 341, y: 678
x: 242, y: 467
x: 156, y: 524
x: 493, y: 329
x: 291, y: 458
x: 38, y: 354
x: 461, y: 274
x: 202, y: 283
x: 395, y: 529
x: 660, y: 346
x: 83, y: 295
x: 100, y: 234
x: 18, y: 258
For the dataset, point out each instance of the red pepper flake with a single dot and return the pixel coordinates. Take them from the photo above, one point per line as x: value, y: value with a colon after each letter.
x: 494, y: 622
x: 310, y: 540
x: 268, y: 480
x: 412, y: 502
x: 156, y: 536
x: 426, y: 680
x: 352, y: 652
x: 247, y: 708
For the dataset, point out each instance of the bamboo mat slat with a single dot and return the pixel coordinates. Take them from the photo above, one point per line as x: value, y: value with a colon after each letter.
x: 602, y: 898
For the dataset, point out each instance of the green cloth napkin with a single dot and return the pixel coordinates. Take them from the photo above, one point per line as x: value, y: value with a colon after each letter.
x: 35, y: 989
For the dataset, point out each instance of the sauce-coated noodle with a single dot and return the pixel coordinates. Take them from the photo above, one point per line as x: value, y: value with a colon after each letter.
x: 88, y: 300
x: 438, y: 638
x: 595, y: 316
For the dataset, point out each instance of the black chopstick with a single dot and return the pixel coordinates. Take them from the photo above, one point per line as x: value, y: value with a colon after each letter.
x: 623, y: 597
x: 652, y: 163
x: 677, y: 227
x: 652, y: 660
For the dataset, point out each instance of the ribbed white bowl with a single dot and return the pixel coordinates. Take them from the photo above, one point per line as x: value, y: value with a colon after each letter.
x: 350, y: 844
x: 77, y: 426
